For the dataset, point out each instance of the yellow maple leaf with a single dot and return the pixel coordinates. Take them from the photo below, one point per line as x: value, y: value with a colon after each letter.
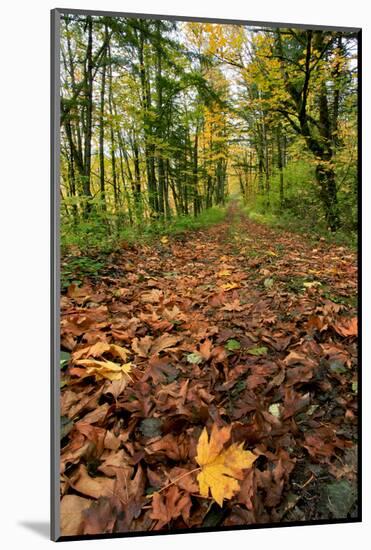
x: 100, y: 348
x: 220, y: 469
x: 229, y: 286
x: 104, y: 369
x: 224, y: 273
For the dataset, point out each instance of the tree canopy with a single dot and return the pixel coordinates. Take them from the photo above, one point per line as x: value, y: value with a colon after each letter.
x: 161, y: 119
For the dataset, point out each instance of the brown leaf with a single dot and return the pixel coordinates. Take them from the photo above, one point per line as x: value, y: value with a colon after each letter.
x: 153, y: 296
x: 174, y: 447
x: 347, y: 327
x: 71, y: 517
x: 159, y: 368
x: 170, y: 506
x: 165, y: 341
x: 205, y: 349
x: 141, y: 346
x: 93, y: 487
x: 101, y: 516
x: 183, y: 479
x: 247, y: 489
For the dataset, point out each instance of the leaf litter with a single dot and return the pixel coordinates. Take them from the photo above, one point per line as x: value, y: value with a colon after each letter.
x: 211, y: 398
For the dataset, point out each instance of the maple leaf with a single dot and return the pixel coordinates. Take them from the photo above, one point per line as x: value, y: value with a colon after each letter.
x: 220, y: 469
x: 205, y: 349
x: 102, y: 369
x: 224, y: 273
x: 229, y: 286
x: 171, y: 506
x: 347, y: 327
x: 165, y: 341
x: 235, y: 305
x: 152, y: 297
x: 93, y: 487
x: 142, y: 346
x: 160, y: 370
x: 99, y: 349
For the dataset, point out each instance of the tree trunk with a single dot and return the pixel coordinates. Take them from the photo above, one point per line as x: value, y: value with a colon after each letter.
x: 101, y: 131
x: 89, y: 116
x: 280, y: 164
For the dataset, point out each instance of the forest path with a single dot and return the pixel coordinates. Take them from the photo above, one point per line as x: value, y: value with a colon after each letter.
x: 239, y: 325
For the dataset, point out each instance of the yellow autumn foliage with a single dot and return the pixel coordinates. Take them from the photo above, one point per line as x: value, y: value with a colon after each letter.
x: 221, y: 468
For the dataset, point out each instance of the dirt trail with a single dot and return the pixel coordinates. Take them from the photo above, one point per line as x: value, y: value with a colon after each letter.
x: 239, y: 325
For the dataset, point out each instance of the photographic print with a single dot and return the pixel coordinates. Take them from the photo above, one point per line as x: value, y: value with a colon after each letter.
x: 205, y: 290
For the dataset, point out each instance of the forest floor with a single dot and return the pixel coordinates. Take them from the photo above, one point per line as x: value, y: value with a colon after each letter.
x: 238, y: 325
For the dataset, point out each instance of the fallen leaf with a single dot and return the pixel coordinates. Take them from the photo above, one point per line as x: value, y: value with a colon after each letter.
x: 229, y: 286
x: 152, y: 297
x: 312, y: 284
x: 93, y: 487
x: 224, y: 273
x: 99, y: 349
x: 220, y: 469
x: 170, y: 506
x: 141, y: 346
x: 102, y: 370
x: 257, y: 351
x: 347, y: 327
x: 232, y: 345
x: 194, y: 358
x: 165, y: 341
x: 71, y: 517
x: 274, y: 410
x: 268, y: 283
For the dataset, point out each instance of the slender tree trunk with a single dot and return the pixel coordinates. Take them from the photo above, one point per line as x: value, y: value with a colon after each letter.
x: 196, y: 197
x: 89, y: 115
x: 160, y: 125
x: 280, y: 164
x: 101, y: 131
x: 137, y: 187
x: 148, y: 125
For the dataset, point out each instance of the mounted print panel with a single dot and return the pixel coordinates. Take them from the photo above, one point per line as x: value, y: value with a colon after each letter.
x: 205, y: 290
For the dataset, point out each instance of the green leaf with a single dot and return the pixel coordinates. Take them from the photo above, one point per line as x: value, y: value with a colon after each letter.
x: 194, y: 358
x: 268, y: 283
x: 258, y: 351
x: 64, y: 359
x: 232, y: 345
x: 274, y: 410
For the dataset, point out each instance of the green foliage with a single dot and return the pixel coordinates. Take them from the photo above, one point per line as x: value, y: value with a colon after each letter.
x: 258, y: 351
x: 105, y: 233
x: 194, y: 358
x: 301, y: 210
x: 232, y: 345
x: 76, y: 268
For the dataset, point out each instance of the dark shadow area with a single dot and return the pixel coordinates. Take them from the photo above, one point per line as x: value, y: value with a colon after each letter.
x: 42, y: 528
